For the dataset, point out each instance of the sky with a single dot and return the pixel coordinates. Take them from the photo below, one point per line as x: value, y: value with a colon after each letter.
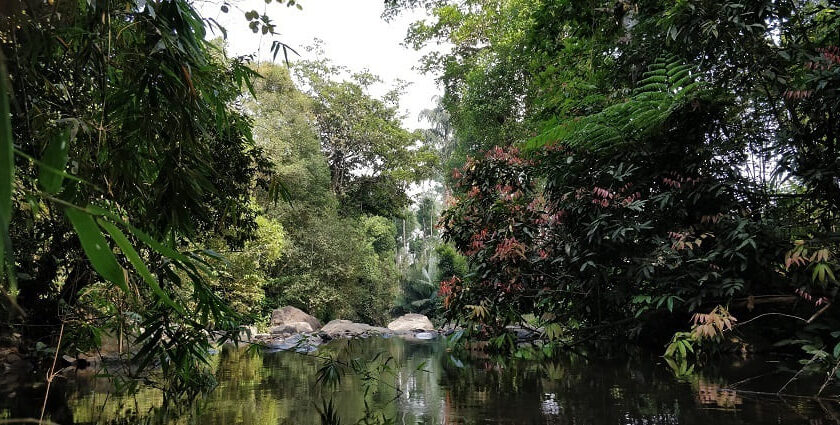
x: 354, y: 36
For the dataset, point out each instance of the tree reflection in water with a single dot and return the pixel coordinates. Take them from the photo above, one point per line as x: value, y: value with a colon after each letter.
x: 426, y: 384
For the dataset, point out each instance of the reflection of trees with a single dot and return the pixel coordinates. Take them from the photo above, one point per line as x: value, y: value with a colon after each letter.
x: 435, y: 387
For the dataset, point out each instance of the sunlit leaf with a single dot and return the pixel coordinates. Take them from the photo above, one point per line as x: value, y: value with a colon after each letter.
x: 96, y: 247
x: 54, y: 161
x: 128, y: 250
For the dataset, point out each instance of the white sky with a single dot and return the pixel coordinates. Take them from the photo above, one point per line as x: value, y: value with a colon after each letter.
x: 354, y: 36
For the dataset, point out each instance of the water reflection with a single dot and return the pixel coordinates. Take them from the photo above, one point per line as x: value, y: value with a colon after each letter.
x: 437, y: 387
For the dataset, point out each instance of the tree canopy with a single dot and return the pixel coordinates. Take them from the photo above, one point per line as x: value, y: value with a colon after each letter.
x: 632, y: 165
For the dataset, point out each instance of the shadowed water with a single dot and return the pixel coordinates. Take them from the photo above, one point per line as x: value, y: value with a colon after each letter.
x: 428, y: 385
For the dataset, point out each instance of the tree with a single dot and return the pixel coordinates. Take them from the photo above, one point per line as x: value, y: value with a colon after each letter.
x: 371, y: 157
x: 337, y: 260
x: 669, y: 158
x: 124, y: 116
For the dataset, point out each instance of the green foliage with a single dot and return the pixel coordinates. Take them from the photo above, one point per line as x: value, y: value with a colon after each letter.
x: 243, y: 274
x: 338, y: 257
x: 7, y: 179
x: 426, y: 262
x: 685, y: 158
x: 666, y: 88
x: 371, y: 157
x: 123, y: 114
x: 419, y: 290
x: 381, y: 233
x: 450, y: 263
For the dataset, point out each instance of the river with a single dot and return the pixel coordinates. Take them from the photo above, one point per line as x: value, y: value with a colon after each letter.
x: 425, y: 384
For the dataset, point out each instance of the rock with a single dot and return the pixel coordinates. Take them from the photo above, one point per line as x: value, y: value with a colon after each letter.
x: 425, y: 335
x: 411, y: 322
x: 291, y: 328
x: 299, y: 343
x: 114, y: 346
x: 347, y: 329
x: 246, y: 333
x: 289, y: 314
x: 523, y: 333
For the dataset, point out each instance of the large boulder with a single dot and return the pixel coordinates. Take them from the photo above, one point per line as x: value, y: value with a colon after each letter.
x: 347, y: 329
x: 410, y: 323
x: 292, y: 328
x: 297, y: 342
x: 289, y: 314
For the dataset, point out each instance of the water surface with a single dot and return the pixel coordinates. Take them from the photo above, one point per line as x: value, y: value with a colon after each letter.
x: 429, y: 385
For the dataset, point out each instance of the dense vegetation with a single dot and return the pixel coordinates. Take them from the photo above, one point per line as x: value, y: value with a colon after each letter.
x: 656, y: 167
x: 664, y: 171
x: 122, y: 118
x: 155, y: 189
x: 346, y: 162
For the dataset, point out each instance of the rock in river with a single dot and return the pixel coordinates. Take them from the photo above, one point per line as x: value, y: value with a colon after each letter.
x: 288, y: 315
x: 347, y: 329
x: 410, y: 323
x: 300, y: 343
x: 291, y: 328
x: 425, y: 335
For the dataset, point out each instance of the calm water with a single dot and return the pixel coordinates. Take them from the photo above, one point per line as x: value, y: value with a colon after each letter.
x: 438, y: 388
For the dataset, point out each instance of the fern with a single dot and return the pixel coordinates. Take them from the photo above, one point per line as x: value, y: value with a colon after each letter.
x: 666, y: 86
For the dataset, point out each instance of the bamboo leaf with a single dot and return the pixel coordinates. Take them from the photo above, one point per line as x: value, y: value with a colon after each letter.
x: 134, y: 258
x: 96, y: 247
x: 42, y: 164
x: 55, y: 159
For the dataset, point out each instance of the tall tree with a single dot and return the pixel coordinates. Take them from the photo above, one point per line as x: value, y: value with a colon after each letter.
x: 336, y: 262
x: 371, y: 157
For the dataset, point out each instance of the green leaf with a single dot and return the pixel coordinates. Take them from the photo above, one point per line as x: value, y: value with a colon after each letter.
x: 131, y: 254
x: 143, y: 236
x: 54, y: 161
x: 830, y: 274
x: 818, y: 273
x: 670, y: 350
x: 96, y: 247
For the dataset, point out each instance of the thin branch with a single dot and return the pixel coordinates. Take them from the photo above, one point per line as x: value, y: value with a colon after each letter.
x: 829, y: 378
x: 797, y: 374
x: 771, y: 314
x: 52, y: 373
x: 819, y: 312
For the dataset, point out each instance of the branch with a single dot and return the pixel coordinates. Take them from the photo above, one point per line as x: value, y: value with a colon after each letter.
x: 771, y: 314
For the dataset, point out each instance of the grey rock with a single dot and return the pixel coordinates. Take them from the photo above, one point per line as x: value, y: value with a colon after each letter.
x: 347, y: 329
x: 300, y: 343
x: 291, y: 328
x: 523, y: 333
x: 289, y: 314
x: 411, y: 323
